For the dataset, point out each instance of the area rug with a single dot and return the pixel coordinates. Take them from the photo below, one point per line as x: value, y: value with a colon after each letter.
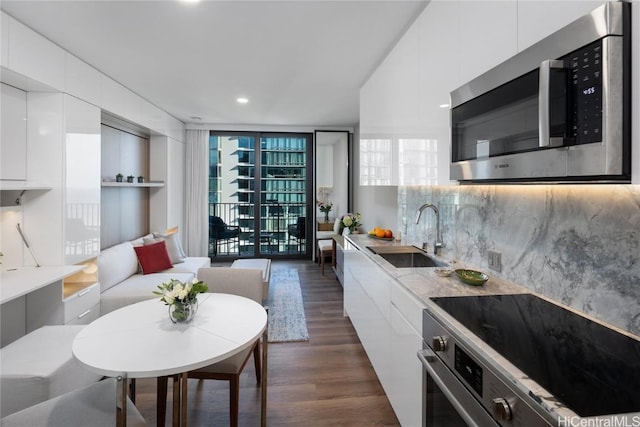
x: 287, y: 321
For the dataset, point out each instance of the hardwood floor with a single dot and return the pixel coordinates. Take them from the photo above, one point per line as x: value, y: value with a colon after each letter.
x: 325, y: 381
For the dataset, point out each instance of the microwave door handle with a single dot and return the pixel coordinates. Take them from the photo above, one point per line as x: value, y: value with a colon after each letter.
x: 544, y: 101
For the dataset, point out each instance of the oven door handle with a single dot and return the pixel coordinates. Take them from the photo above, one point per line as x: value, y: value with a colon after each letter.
x: 428, y: 357
x: 544, y: 108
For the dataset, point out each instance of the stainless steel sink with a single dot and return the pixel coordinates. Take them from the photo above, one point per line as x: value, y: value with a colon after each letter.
x: 406, y: 256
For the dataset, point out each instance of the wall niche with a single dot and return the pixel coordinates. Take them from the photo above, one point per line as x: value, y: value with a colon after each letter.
x: 124, y: 209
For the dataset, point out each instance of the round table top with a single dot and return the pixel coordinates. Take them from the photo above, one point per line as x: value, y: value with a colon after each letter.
x: 139, y: 340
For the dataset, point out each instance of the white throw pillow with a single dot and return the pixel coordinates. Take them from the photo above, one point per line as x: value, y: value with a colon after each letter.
x: 173, y: 230
x: 172, y: 243
x: 337, y: 225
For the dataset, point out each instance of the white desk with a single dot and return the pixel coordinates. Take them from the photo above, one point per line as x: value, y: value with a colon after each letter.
x: 31, y: 297
x: 20, y: 281
x: 139, y: 341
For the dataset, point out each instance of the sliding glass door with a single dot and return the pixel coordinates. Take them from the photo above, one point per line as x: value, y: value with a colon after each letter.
x: 259, y: 195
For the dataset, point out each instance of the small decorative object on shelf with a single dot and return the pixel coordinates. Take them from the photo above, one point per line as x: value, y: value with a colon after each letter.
x: 141, y: 179
x: 325, y: 207
x: 182, y: 298
x: 130, y: 178
x: 119, y: 177
x: 1, y: 255
x: 351, y: 222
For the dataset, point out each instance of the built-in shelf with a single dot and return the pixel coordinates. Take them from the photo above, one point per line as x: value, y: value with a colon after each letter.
x: 11, y: 191
x: 133, y: 184
x: 9, y: 185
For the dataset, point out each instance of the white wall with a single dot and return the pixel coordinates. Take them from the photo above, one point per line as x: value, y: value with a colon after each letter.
x: 46, y: 71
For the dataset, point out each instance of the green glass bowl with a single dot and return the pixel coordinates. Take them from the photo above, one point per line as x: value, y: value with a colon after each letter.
x: 472, y: 277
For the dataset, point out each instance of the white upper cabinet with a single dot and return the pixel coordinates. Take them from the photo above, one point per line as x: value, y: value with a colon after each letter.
x: 389, y: 101
x: 82, y: 181
x: 439, y: 74
x: 13, y: 149
x: 488, y: 35
x: 35, y: 57
x: 537, y: 19
x: 64, y: 153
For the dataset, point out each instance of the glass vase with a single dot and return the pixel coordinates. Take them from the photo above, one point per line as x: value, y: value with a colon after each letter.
x: 326, y: 216
x: 183, y: 311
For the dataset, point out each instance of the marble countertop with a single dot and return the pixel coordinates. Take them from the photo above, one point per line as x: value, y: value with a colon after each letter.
x: 424, y: 282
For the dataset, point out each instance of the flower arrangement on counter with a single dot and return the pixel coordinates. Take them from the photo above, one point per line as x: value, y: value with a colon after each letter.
x: 181, y: 297
x: 351, y: 221
x: 325, y: 207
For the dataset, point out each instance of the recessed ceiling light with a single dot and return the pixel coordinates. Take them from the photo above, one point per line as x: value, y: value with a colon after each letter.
x: 195, y: 118
x: 242, y: 100
x: 189, y: 1
x: 444, y: 105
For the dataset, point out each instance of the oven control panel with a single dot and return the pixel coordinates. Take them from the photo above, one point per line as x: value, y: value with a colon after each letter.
x: 471, y: 368
x: 468, y: 369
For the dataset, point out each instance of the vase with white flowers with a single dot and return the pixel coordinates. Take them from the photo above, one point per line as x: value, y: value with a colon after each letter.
x: 351, y: 222
x: 181, y: 297
x: 325, y: 207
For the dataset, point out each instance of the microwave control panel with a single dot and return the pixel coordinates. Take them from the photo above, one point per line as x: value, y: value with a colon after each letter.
x: 586, y: 83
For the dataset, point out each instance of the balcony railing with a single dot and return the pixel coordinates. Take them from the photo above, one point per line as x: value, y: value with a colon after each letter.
x: 273, y: 223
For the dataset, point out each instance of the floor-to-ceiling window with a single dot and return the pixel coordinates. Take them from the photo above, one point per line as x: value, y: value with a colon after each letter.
x: 259, y: 194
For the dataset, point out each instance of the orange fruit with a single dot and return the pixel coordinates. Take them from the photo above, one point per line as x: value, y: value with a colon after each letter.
x: 379, y: 232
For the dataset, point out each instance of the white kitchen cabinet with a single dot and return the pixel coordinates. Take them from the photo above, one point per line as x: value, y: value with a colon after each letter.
x: 63, y: 135
x: 367, y: 303
x: 440, y: 70
x: 405, y: 391
x: 13, y: 148
x: 339, y: 267
x: 388, y: 320
x: 488, y: 32
x: 34, y: 56
x: 538, y: 19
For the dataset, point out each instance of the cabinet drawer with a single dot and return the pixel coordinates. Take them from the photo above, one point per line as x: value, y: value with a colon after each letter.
x: 408, y: 305
x: 86, y: 317
x: 81, y: 301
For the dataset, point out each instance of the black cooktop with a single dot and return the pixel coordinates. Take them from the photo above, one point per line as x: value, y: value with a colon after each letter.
x: 590, y: 368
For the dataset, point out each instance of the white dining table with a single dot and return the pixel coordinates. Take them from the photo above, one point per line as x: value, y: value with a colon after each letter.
x: 140, y: 341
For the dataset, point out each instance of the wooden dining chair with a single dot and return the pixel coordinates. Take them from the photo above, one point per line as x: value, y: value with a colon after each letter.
x: 237, y: 281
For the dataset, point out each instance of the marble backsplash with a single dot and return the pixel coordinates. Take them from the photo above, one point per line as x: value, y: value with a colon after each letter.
x: 579, y: 245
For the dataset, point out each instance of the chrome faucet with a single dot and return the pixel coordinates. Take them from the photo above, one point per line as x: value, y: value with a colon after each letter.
x: 438, y: 244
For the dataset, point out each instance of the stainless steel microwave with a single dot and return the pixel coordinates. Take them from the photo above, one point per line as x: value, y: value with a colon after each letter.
x: 558, y: 111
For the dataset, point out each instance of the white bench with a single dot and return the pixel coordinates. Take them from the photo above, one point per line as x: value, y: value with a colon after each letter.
x: 262, y: 264
x: 40, y: 366
x: 93, y: 406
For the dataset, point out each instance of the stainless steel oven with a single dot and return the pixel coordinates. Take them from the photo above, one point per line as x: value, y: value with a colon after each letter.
x: 447, y: 402
x: 557, y: 111
x: 523, y: 360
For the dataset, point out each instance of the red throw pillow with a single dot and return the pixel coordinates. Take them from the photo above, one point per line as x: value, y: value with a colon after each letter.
x: 153, y: 258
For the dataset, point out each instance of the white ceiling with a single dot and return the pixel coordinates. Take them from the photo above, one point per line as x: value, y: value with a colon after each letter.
x: 300, y: 62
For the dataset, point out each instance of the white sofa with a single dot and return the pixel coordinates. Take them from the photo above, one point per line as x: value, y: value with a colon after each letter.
x: 122, y: 283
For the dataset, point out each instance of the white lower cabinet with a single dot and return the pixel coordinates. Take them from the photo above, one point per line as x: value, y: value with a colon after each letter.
x: 387, y: 319
x: 366, y: 301
x: 406, y: 370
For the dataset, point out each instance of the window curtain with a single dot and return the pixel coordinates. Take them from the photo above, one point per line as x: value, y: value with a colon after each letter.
x: 196, y: 194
